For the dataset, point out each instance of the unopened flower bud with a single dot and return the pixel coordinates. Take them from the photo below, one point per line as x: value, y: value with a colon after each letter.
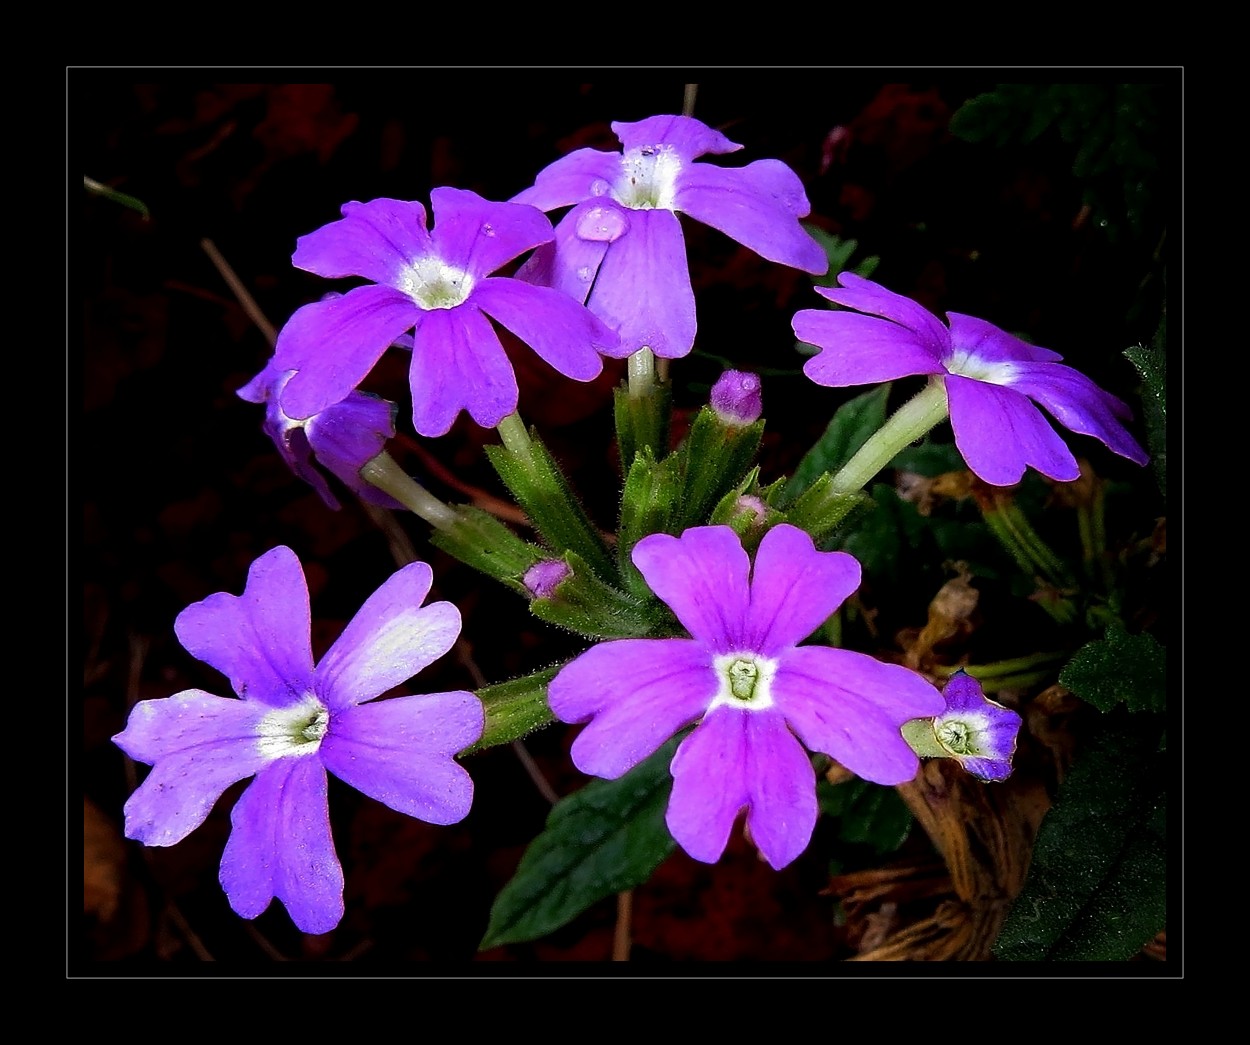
x: 736, y: 397
x: 544, y: 577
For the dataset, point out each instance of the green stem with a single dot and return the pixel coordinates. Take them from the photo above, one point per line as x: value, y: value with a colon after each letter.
x: 384, y: 473
x: 910, y: 422
x: 641, y: 370
x: 514, y: 435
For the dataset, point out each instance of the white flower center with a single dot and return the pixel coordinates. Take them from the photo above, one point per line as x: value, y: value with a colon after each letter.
x: 965, y: 364
x: 296, y: 730
x: 746, y: 681
x: 648, y: 178
x: 961, y: 736
x: 432, y: 283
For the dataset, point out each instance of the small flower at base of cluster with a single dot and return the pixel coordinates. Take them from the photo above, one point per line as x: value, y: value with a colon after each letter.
x: 977, y: 732
x: 736, y: 398
x: 542, y: 579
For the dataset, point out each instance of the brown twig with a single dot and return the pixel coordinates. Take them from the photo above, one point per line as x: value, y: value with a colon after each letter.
x: 245, y: 299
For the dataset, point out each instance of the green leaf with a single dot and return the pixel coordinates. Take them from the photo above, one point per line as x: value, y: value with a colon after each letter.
x: 606, y: 838
x: 1151, y: 364
x: 849, y: 429
x: 1119, y: 669
x: 868, y: 814
x: 1096, y: 887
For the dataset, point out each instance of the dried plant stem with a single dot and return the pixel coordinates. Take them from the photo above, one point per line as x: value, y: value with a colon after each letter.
x: 240, y: 292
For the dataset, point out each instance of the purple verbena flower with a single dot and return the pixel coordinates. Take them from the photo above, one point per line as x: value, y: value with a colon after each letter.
x: 736, y: 397
x: 621, y: 250
x: 439, y: 285
x: 992, y: 379
x: 294, y: 721
x: 758, y: 697
x: 343, y: 437
x: 980, y: 733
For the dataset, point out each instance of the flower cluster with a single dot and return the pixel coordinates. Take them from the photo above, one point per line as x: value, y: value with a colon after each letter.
x: 753, y: 679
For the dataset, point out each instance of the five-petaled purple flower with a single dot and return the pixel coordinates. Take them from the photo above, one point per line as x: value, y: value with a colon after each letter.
x: 758, y: 697
x: 622, y: 243
x: 992, y: 380
x: 978, y: 732
x: 294, y: 721
x: 439, y: 285
x: 343, y: 437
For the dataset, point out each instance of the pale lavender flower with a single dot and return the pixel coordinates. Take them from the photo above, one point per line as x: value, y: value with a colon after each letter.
x: 439, y: 285
x: 758, y: 697
x: 621, y: 250
x: 291, y: 723
x: 736, y: 397
x: 992, y: 380
x: 342, y: 438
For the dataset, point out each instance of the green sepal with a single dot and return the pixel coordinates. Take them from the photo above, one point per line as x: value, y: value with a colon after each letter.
x: 585, y: 604
x: 749, y: 527
x: 820, y: 511
x: 715, y: 458
x: 480, y: 540
x: 514, y: 709
x: 642, y: 421
x: 608, y: 837
x: 649, y: 503
x: 541, y: 489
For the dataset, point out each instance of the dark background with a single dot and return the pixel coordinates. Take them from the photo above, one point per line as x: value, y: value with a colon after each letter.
x: 178, y: 490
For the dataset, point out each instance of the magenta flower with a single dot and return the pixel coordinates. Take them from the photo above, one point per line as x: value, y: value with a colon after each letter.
x: 294, y: 721
x: 758, y: 697
x: 439, y: 285
x: 342, y: 438
x: 992, y: 380
x: 736, y: 397
x: 621, y: 245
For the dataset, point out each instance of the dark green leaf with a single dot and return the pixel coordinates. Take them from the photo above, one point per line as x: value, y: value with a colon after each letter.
x: 1119, y: 669
x: 867, y: 814
x: 1151, y: 363
x: 1096, y: 882
x: 604, y: 839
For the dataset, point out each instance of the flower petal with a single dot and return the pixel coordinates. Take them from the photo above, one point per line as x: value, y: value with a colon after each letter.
x: 390, y: 639
x: 1000, y: 432
x: 758, y: 205
x: 794, y: 589
x: 1079, y: 405
x: 571, y: 179
x: 686, y: 135
x: 643, y: 287
x: 782, y: 786
x: 702, y: 576
x: 569, y: 263
x: 852, y: 707
x: 866, y: 296
x: 260, y: 640
x: 333, y: 345
x: 376, y: 240
x: 638, y: 693
x: 200, y: 744
x: 988, y: 342
x: 399, y: 751
x: 565, y: 334
x: 459, y: 364
x: 479, y: 236
x: 710, y: 786
x: 281, y: 846
x: 862, y: 350
x: 346, y: 436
